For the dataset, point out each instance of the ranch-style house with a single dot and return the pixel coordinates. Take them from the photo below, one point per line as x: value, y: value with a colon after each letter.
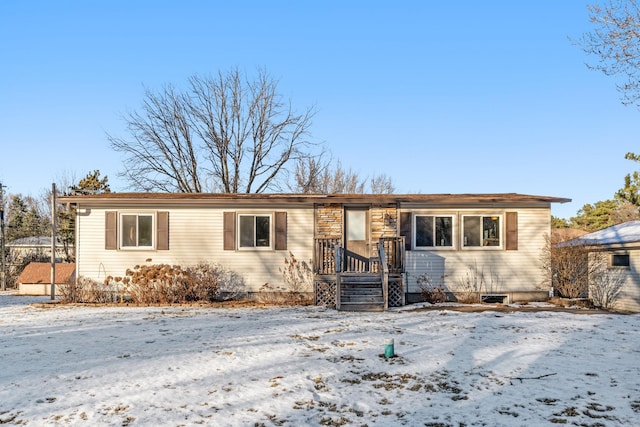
x: 367, y: 252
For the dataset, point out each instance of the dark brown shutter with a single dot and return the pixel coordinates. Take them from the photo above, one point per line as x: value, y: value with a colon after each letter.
x: 111, y: 230
x: 281, y: 231
x: 405, y: 229
x: 512, y: 231
x: 163, y: 231
x: 229, y: 226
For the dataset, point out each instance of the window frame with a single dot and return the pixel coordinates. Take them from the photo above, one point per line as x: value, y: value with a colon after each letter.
x: 121, y: 231
x: 501, y: 232
x: 239, y: 216
x: 434, y: 216
x: 626, y: 266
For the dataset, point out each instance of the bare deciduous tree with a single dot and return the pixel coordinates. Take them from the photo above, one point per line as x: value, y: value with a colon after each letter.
x: 320, y: 176
x: 225, y: 133
x: 615, y: 41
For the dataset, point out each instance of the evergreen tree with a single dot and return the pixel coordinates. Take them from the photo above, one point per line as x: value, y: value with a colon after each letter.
x: 603, y: 214
x: 24, y: 219
x: 91, y: 184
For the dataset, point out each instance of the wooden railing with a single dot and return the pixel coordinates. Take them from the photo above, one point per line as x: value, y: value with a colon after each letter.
x: 393, y: 248
x: 325, y: 255
x: 355, y: 263
x: 384, y: 274
x: 331, y: 257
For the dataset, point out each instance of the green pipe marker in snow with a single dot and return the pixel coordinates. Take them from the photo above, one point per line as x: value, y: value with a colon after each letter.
x: 388, y: 348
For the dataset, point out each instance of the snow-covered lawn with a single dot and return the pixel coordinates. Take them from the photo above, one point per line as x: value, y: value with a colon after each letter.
x: 177, y: 366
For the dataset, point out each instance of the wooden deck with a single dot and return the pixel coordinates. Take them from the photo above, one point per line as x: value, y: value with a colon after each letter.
x: 349, y: 281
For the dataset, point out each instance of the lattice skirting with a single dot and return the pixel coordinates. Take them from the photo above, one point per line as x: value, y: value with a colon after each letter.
x: 396, y: 293
x: 325, y: 293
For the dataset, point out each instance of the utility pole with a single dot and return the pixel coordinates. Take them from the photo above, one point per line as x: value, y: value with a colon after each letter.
x: 3, y: 272
x: 53, y: 241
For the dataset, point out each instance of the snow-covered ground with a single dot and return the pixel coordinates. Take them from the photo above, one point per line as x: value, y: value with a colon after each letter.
x: 177, y: 366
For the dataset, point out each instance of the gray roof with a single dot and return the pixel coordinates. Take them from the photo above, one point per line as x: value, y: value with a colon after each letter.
x: 33, y: 241
x: 625, y: 233
x: 225, y: 198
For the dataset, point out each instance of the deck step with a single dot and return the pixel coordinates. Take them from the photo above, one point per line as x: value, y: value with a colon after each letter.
x: 361, y: 298
x: 361, y: 292
x: 362, y: 307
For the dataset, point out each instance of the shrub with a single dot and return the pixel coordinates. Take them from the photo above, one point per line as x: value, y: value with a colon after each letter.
x: 605, y: 286
x: 566, y: 267
x: 86, y: 290
x: 172, y: 284
x: 429, y: 292
x: 298, y: 277
x: 213, y: 282
x: 298, y: 284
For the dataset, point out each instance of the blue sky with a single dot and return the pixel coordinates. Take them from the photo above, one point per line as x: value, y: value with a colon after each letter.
x: 442, y: 96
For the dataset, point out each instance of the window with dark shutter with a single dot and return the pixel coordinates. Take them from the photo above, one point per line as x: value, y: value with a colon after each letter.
x: 111, y: 231
x: 405, y: 229
x: 162, y: 231
x: 229, y: 226
x: 281, y: 231
x: 512, y: 231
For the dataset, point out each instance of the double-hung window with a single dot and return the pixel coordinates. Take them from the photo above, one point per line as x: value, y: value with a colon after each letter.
x: 136, y: 230
x: 481, y: 231
x: 433, y: 231
x: 254, y: 231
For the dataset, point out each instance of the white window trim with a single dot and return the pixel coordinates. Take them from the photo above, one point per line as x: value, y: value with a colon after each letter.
x: 501, y: 228
x: 271, y: 232
x: 454, y: 230
x: 121, y: 230
x: 619, y: 267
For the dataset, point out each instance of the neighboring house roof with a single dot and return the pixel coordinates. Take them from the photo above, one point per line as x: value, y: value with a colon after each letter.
x: 627, y: 233
x: 40, y: 272
x: 150, y: 198
x: 33, y: 241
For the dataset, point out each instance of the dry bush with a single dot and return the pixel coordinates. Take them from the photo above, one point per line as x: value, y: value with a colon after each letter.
x: 567, y: 268
x: 298, y: 277
x: 213, y: 282
x: 86, y: 290
x: 298, y: 284
x: 172, y: 284
x: 72, y: 291
x: 154, y: 284
x: 605, y: 286
x: 574, y: 269
x: 476, y: 282
x: 430, y: 292
x: 271, y: 295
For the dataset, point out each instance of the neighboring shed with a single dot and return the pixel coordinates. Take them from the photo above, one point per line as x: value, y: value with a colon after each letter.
x: 622, y: 245
x: 35, y: 279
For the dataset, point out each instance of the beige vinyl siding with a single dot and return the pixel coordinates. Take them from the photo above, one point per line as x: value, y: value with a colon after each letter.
x: 629, y: 297
x: 504, y: 270
x: 195, y: 235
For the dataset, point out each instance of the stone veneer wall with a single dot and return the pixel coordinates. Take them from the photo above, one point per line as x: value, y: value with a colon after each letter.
x: 384, y: 220
x: 328, y: 221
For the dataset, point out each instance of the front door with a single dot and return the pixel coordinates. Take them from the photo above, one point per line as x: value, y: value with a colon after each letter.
x: 357, y: 231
